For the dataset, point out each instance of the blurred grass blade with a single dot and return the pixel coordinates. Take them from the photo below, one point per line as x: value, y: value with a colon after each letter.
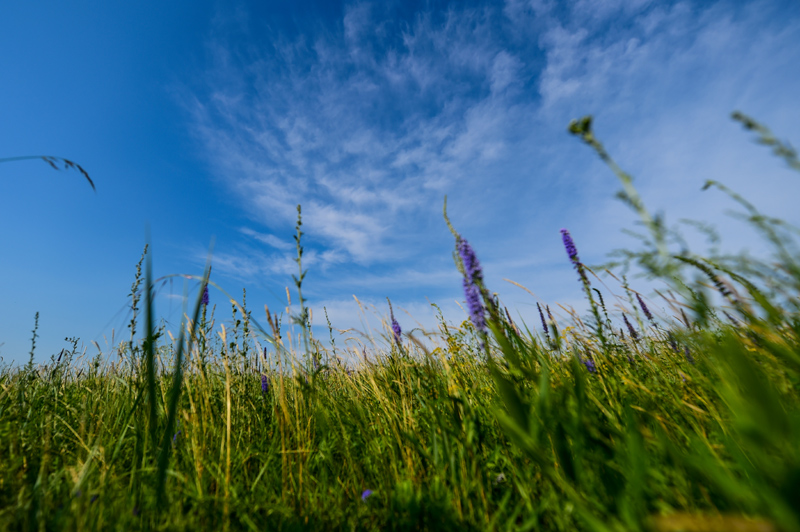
x: 52, y: 160
x: 765, y: 136
x: 149, y: 347
x: 175, y: 390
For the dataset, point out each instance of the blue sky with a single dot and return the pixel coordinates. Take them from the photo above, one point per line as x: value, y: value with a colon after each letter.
x: 214, y: 120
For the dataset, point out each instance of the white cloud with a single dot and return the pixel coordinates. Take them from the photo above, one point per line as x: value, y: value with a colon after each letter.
x: 270, y: 240
x: 369, y: 122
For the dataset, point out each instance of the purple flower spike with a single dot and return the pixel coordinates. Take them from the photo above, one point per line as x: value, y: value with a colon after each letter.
x: 395, y: 326
x: 572, y: 253
x: 544, y: 323
x: 731, y: 318
x: 264, y: 384
x: 569, y: 245
x: 590, y: 365
x: 644, y: 308
x: 672, y: 343
x: 366, y: 494
x: 473, y: 297
x: 205, y: 295
x: 396, y: 330
x: 472, y: 268
x: 472, y: 277
x: 631, y: 330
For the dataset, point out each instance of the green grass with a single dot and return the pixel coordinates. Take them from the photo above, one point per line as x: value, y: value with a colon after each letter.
x: 692, y: 425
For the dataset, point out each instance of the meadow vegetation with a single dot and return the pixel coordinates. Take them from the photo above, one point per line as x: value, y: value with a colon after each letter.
x: 623, y: 419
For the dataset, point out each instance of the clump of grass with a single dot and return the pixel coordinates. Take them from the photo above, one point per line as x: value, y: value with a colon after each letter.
x: 682, y: 424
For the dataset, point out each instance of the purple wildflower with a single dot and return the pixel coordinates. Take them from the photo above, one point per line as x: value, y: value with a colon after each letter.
x: 395, y: 326
x: 473, y: 297
x: 472, y: 277
x: 175, y: 437
x: 541, y: 315
x: 396, y: 330
x: 672, y: 343
x: 631, y: 330
x: 365, y: 494
x: 590, y: 365
x: 264, y: 384
x: 688, y: 354
x: 644, y: 308
x: 572, y: 253
x: 731, y: 318
x: 205, y: 295
x: 472, y: 268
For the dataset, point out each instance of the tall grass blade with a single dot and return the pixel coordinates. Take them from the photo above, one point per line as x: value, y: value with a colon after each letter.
x: 175, y: 389
x: 149, y: 348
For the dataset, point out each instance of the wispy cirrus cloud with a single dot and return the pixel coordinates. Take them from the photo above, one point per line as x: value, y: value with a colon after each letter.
x: 362, y: 126
x: 369, y: 119
x: 270, y: 240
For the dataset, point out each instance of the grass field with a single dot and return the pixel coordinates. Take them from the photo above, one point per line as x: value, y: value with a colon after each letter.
x: 612, y: 421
